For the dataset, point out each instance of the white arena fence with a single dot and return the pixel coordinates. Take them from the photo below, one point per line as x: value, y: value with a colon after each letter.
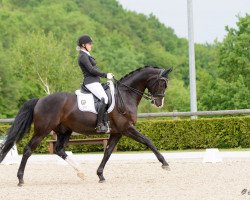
x: 176, y: 114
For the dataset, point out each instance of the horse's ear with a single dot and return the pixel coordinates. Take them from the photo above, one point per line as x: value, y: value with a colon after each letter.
x: 166, y: 72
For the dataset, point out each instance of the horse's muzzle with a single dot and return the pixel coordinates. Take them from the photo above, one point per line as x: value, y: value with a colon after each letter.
x: 158, y: 102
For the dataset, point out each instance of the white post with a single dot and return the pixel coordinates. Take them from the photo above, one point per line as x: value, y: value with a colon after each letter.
x: 192, y: 76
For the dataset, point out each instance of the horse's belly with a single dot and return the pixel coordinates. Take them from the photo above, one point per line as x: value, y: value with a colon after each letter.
x: 81, y: 122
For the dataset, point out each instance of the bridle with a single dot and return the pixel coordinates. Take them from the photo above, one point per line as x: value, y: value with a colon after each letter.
x: 157, y: 81
x: 148, y: 96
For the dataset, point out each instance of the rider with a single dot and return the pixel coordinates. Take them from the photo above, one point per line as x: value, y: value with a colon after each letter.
x: 92, y: 80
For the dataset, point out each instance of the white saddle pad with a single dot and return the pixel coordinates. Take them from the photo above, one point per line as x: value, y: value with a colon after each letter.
x: 86, y: 101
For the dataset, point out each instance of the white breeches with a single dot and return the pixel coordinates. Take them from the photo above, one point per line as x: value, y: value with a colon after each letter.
x: 97, y: 90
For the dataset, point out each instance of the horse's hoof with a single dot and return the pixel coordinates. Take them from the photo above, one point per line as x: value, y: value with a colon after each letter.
x: 80, y: 175
x: 102, y: 181
x: 20, y: 184
x: 166, y: 167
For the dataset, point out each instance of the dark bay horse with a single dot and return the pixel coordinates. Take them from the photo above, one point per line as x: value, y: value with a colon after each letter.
x: 59, y: 112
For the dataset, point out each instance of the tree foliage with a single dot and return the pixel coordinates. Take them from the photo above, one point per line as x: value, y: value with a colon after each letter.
x: 227, y: 84
x: 37, y: 53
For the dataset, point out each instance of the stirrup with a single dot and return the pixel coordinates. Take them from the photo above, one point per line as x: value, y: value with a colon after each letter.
x: 101, y: 128
x: 107, y: 124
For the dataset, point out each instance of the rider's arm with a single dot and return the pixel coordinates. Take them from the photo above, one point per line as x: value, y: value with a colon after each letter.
x: 90, y: 68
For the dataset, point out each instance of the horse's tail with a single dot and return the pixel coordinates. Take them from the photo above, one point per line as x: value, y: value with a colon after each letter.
x: 20, y: 126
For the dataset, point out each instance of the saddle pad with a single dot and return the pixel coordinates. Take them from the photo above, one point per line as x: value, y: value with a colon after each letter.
x: 86, y: 101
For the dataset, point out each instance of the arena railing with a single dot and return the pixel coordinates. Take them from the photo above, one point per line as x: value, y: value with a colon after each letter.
x: 176, y: 114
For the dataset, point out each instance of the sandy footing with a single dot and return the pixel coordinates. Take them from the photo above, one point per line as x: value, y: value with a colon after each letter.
x: 130, y: 179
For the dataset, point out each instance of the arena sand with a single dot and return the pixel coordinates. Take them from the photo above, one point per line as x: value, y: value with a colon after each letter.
x: 142, y: 179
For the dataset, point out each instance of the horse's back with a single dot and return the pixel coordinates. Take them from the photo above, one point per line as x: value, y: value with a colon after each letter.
x: 62, y: 109
x: 54, y: 106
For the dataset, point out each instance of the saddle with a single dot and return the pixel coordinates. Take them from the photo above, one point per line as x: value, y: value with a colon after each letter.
x: 90, y: 103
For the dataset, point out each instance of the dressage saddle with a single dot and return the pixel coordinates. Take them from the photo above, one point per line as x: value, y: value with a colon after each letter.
x: 96, y: 100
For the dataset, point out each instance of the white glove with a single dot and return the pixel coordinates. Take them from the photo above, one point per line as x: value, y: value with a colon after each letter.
x: 110, y: 76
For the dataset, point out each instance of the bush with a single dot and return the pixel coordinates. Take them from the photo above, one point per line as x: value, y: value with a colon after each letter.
x: 229, y: 132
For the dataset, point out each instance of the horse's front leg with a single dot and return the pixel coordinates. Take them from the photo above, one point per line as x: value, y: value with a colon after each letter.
x: 137, y: 136
x: 113, y: 140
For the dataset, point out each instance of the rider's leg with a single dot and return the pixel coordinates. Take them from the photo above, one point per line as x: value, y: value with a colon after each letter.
x: 102, y: 119
x: 101, y: 124
x: 97, y: 89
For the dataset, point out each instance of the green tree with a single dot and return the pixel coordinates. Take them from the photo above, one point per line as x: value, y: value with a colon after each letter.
x: 234, y: 53
x: 37, y: 52
x: 42, y: 66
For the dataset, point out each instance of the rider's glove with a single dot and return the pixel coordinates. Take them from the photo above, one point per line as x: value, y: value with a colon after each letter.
x: 110, y: 76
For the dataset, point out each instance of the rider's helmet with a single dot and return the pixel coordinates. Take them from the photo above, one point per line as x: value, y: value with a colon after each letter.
x: 84, y: 39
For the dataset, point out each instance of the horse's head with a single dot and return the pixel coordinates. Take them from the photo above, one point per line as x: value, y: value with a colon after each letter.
x: 157, y: 86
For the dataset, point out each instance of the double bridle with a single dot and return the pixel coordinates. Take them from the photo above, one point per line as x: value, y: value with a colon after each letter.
x: 148, y: 96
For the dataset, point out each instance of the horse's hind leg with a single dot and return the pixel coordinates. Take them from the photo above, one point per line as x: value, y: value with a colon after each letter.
x: 30, y: 147
x: 62, y: 139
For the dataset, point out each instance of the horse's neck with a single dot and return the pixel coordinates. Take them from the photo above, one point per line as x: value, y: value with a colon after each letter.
x: 138, y: 82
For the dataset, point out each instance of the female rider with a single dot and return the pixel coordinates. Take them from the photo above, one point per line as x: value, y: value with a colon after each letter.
x: 91, y: 80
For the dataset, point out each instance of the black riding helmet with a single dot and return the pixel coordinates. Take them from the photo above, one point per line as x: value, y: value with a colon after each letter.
x: 84, y: 39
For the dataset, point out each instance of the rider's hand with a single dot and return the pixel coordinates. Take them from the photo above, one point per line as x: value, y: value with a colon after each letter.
x: 110, y: 76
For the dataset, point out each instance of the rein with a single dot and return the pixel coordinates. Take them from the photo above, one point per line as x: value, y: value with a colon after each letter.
x: 122, y: 109
x: 147, y: 96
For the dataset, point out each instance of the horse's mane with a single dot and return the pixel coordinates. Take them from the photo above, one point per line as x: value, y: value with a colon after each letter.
x: 137, y: 70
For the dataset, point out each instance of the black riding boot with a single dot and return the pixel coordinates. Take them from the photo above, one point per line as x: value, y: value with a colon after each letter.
x: 106, y: 121
x: 101, y: 125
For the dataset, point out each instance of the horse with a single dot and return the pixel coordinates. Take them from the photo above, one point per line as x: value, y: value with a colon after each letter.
x: 59, y: 112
